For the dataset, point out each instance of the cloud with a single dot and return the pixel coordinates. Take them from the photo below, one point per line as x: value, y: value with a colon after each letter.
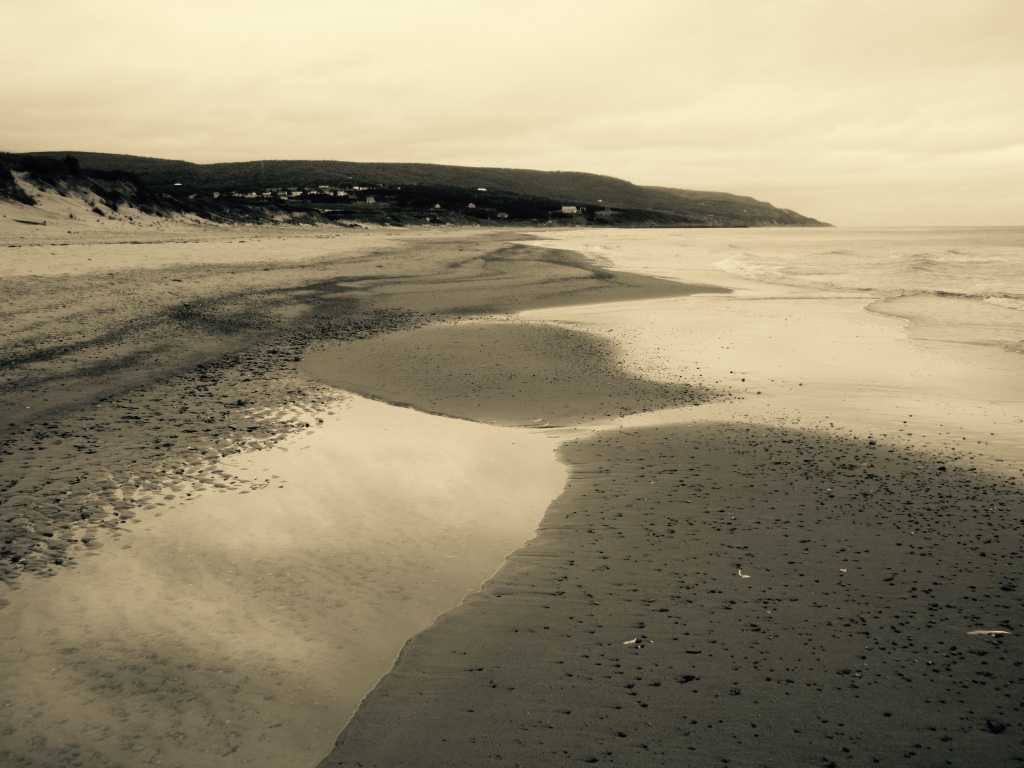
x: 737, y: 95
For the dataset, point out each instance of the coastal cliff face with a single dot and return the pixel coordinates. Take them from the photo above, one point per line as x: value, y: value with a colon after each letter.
x: 385, y: 194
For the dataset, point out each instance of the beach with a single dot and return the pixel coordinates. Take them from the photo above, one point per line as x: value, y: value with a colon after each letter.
x: 540, y: 498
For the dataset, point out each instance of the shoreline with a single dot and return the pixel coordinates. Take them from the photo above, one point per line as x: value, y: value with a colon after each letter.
x: 243, y: 622
x: 552, y: 627
x: 99, y: 468
x: 743, y: 607
x: 463, y: 693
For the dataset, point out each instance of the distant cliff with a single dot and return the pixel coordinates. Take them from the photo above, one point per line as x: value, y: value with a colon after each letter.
x: 396, y: 194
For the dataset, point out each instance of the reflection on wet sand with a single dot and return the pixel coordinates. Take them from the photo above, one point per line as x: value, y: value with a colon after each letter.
x: 250, y: 622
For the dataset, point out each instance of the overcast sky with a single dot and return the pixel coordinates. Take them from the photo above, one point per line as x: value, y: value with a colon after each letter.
x: 858, y: 113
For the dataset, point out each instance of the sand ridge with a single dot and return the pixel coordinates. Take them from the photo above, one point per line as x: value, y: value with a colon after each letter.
x: 498, y: 370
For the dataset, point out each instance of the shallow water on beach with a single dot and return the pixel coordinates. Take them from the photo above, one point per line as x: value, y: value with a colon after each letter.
x: 298, y: 595
x: 244, y: 628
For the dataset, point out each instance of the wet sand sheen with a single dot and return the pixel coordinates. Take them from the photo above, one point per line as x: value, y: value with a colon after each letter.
x: 198, y: 361
x: 727, y: 594
x: 249, y: 627
x: 709, y: 592
x: 800, y: 550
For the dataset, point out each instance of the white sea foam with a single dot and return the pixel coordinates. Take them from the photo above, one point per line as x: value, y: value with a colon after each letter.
x: 970, y: 282
x: 952, y: 267
x: 1009, y: 302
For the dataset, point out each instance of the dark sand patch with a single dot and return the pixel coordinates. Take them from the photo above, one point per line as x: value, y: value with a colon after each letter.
x: 516, y: 278
x: 507, y: 372
x: 114, y: 381
x: 68, y: 482
x: 624, y: 634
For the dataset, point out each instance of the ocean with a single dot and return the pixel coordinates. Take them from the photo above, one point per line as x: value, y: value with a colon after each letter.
x: 955, y: 285
x: 960, y: 285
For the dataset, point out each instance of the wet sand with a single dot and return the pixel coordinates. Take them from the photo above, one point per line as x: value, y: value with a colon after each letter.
x: 167, y: 368
x: 726, y: 594
x: 803, y: 572
x: 165, y: 599
x: 239, y: 625
x: 758, y: 559
x: 499, y: 371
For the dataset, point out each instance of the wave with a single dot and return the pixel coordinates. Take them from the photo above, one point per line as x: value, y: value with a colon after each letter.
x: 949, y: 259
x: 919, y: 262
x: 1007, y: 300
x: 960, y: 317
x: 746, y: 265
x: 974, y: 276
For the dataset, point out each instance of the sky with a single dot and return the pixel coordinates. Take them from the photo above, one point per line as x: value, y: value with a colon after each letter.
x: 895, y: 113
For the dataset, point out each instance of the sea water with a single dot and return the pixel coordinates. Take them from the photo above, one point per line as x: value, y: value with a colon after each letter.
x: 917, y: 332
x: 985, y: 263
x: 962, y: 285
